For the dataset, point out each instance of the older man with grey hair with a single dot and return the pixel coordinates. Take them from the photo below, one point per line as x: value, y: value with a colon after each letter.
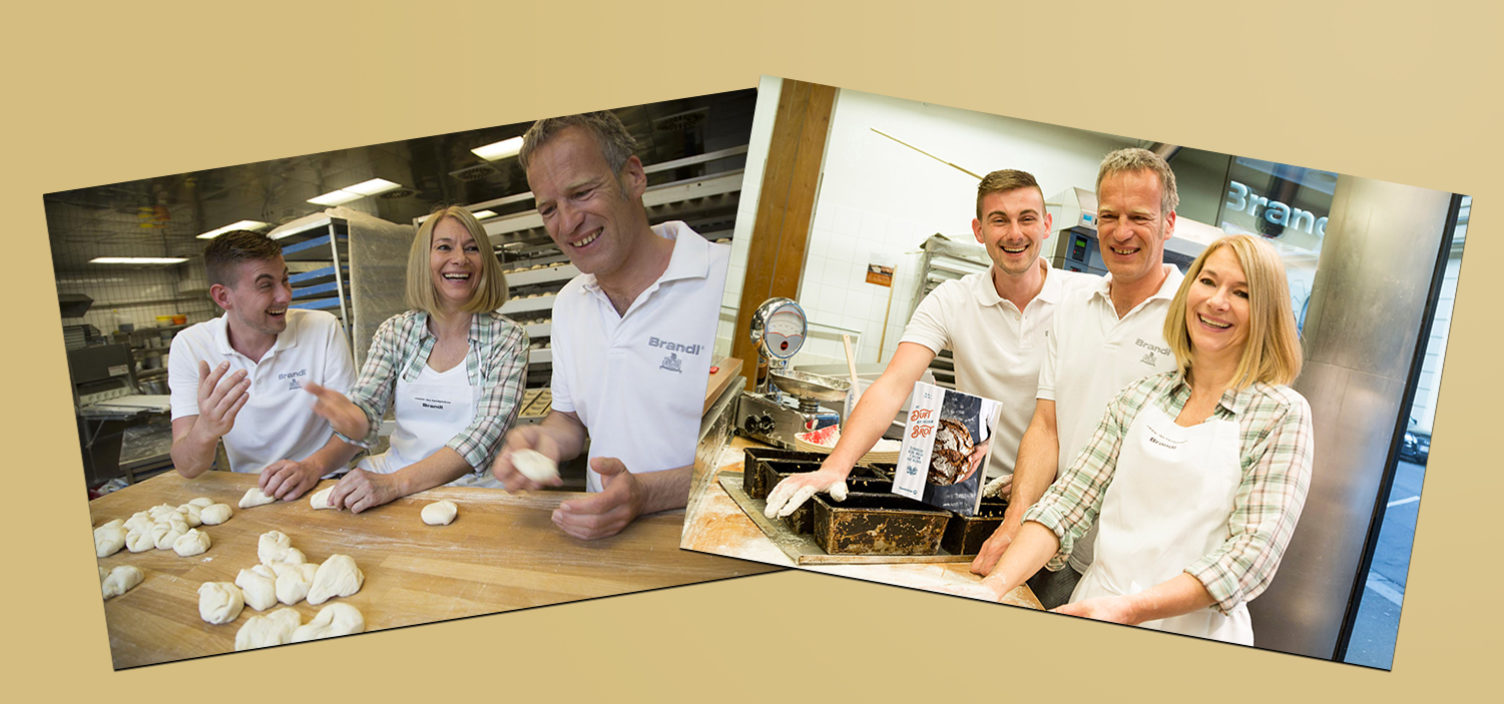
x: 631, y: 335
x: 1105, y: 337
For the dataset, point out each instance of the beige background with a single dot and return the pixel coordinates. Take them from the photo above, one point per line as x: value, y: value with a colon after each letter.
x: 120, y: 92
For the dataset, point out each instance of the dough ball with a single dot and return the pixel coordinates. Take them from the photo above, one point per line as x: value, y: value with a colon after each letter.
x: 338, y: 576
x: 219, y: 602
x: 194, y: 542
x: 139, y: 540
x: 320, y: 498
x: 438, y: 513
x: 259, y: 585
x: 120, y: 580
x: 534, y: 465
x: 294, y: 581
x: 190, y: 515
x: 139, y: 520
x: 337, y: 619
x: 215, y: 514
x: 161, y: 512
x: 202, y: 502
x: 271, y: 546
x: 165, y: 533
x: 102, y: 574
x: 254, y: 497
x: 109, y: 538
x: 274, y: 628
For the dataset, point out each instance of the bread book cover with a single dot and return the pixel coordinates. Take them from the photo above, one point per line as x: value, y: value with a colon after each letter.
x: 946, y: 443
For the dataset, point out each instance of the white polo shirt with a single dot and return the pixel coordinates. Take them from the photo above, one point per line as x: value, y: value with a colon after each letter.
x: 637, y: 381
x: 278, y: 421
x: 1090, y: 356
x: 997, y: 348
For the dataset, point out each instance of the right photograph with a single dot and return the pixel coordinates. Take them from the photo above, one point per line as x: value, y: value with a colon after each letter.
x: 1109, y: 377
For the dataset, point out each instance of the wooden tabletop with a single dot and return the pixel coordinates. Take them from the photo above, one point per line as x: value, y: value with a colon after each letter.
x: 501, y: 553
x: 716, y: 524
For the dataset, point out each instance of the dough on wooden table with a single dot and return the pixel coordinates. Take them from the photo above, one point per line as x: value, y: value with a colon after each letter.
x: 191, y: 515
x: 254, y: 497
x: 140, y: 540
x: 320, y: 498
x: 194, y: 542
x: 139, y: 521
x: 534, y: 465
x: 109, y: 538
x: 202, y: 502
x: 294, y: 581
x: 259, y: 586
x: 219, y: 602
x: 102, y: 574
x: 161, y: 512
x: 215, y: 514
x: 120, y: 580
x: 337, y: 576
x: 438, y: 513
x: 274, y: 546
x: 274, y: 628
x: 165, y: 533
x: 337, y: 619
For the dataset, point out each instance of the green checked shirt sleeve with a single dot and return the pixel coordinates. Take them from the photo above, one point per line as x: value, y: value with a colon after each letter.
x: 1070, y: 506
x: 1277, y: 450
x: 497, y: 365
x: 394, y: 346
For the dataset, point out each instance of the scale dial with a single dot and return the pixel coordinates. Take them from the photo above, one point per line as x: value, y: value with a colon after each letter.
x: 779, y: 328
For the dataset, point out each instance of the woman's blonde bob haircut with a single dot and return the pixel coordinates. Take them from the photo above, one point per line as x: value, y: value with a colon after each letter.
x: 1271, y: 353
x: 490, y: 290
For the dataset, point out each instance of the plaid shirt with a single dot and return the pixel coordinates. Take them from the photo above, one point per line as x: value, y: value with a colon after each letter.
x: 496, y: 364
x: 1276, y: 449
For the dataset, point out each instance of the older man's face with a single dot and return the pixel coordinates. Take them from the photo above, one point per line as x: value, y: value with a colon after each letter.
x: 1131, y: 229
x: 591, y: 213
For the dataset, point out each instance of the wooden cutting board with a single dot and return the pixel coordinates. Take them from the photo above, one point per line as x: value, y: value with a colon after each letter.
x: 501, y: 553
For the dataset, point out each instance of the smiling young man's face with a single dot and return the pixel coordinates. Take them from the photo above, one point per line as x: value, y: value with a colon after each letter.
x: 1013, y: 228
x: 257, y: 300
x: 592, y: 214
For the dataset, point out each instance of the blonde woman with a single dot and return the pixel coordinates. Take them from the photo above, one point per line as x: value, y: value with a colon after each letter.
x: 1196, y: 476
x: 453, y: 368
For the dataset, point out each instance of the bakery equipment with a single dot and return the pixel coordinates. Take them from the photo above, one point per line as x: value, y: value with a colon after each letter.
x: 108, y: 401
x: 785, y: 402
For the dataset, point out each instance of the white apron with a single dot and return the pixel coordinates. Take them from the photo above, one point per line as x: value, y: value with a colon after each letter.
x: 1167, y: 507
x: 430, y: 410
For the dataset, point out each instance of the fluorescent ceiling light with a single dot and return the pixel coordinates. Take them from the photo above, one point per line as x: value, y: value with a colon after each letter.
x: 497, y: 151
x: 360, y: 190
x: 242, y: 225
x: 483, y: 214
x: 335, y: 198
x: 372, y: 187
x: 137, y: 260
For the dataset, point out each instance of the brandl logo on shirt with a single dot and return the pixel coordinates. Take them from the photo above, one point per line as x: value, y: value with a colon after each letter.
x: 1149, y: 358
x: 672, y: 363
x: 292, y: 378
x: 675, y: 346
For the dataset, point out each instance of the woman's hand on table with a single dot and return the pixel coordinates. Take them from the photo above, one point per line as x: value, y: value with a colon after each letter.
x: 1113, y: 609
x: 796, y: 489
x: 344, y: 416
x: 360, y: 490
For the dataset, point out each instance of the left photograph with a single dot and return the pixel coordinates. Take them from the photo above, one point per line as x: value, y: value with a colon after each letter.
x: 403, y: 383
